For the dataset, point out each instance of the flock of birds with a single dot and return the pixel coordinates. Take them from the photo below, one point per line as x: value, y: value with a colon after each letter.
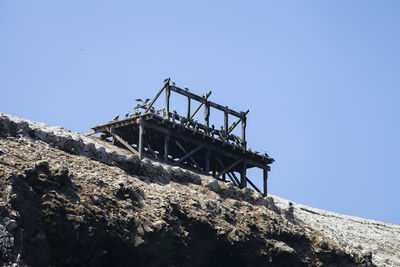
x: 194, y: 124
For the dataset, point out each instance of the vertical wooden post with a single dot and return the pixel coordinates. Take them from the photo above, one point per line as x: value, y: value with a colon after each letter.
x: 226, y: 120
x: 207, y: 115
x: 188, y: 109
x: 166, y: 143
x: 207, y: 161
x: 167, y: 95
x: 265, y: 181
x: 141, y: 131
x: 244, y: 130
x: 243, y: 180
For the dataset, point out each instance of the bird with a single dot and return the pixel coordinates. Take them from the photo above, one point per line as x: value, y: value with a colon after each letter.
x: 147, y: 100
x: 175, y: 111
x: 256, y: 152
x: 166, y: 79
x: 116, y: 117
x: 186, y: 88
x: 127, y: 114
x: 266, y: 154
x: 212, y: 126
x: 138, y: 100
x: 173, y: 83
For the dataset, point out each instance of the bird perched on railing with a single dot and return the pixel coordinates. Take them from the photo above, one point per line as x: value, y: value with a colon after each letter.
x: 266, y: 154
x: 174, y: 110
x: 146, y: 100
x: 186, y: 88
x: 116, y: 117
x: 127, y: 114
x: 173, y: 83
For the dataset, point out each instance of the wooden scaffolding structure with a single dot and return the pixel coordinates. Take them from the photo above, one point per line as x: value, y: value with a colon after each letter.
x: 180, y: 140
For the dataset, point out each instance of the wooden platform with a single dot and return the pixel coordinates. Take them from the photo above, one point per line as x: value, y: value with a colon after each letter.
x: 179, y: 140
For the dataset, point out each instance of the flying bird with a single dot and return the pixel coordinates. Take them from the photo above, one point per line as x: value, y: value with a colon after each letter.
x: 116, y: 117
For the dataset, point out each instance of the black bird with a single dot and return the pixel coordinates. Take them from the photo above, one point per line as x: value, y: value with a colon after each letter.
x: 173, y: 83
x: 138, y: 100
x: 186, y: 88
x: 127, y: 114
x: 175, y: 111
x: 166, y: 79
x: 147, y: 100
x: 116, y: 117
x: 266, y: 154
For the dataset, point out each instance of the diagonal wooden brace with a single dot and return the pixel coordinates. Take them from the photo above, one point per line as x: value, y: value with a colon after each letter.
x: 190, y: 153
x: 231, y: 166
x: 122, y: 141
x: 184, y: 151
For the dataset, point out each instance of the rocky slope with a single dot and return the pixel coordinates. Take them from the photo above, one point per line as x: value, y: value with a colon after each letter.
x: 71, y: 200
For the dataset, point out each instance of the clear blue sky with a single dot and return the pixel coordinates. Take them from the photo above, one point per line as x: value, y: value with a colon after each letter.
x: 321, y: 80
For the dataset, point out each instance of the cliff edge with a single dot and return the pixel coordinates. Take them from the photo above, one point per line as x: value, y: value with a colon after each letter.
x: 67, y: 199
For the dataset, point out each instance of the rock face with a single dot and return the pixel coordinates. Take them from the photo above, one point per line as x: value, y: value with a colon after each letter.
x: 71, y: 200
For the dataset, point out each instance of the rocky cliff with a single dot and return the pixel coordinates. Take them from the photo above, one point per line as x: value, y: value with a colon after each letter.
x: 67, y: 199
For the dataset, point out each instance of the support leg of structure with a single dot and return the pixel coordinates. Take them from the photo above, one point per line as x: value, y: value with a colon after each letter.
x: 265, y: 181
x: 243, y: 181
x: 166, y: 143
x: 140, y: 147
x: 207, y: 161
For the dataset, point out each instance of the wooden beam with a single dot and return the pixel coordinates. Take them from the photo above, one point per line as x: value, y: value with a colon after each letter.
x: 184, y: 151
x: 207, y: 161
x: 253, y: 185
x: 190, y: 153
x: 210, y: 146
x: 167, y: 95
x: 265, y: 178
x: 122, y: 141
x: 188, y: 108
x: 201, y: 104
x: 243, y: 181
x: 158, y: 94
x: 233, y: 179
x: 244, y: 130
x: 166, y: 143
x: 226, y: 119
x: 202, y: 100
x: 231, y: 166
x: 236, y: 123
x: 141, y: 132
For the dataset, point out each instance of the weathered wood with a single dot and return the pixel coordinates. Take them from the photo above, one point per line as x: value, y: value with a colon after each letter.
x: 202, y: 100
x: 236, y: 123
x: 231, y: 166
x: 253, y: 185
x: 207, y: 161
x: 140, y: 146
x: 207, y: 115
x: 201, y: 104
x: 190, y: 153
x: 166, y: 143
x: 188, y: 108
x: 226, y: 120
x: 122, y: 141
x: 244, y: 130
x: 184, y: 151
x: 157, y: 95
x: 243, y: 181
x: 167, y: 95
x: 233, y: 178
x: 265, y: 178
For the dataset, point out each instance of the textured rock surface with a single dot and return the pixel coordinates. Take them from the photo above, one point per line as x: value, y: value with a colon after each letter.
x: 68, y: 199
